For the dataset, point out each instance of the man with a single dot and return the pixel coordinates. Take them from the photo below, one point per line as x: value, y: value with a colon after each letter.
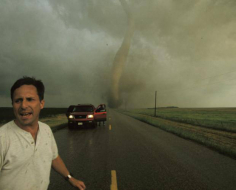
x: 102, y: 108
x: 27, y: 146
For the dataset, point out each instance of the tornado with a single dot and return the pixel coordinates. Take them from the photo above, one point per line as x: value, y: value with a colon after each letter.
x: 120, y: 60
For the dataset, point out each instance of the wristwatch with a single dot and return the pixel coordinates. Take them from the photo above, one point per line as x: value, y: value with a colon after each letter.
x: 68, y: 177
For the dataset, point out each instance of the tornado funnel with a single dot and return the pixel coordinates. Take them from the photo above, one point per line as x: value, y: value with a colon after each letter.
x: 120, y: 60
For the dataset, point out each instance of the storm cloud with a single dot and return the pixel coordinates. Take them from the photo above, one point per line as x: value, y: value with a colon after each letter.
x: 184, y: 50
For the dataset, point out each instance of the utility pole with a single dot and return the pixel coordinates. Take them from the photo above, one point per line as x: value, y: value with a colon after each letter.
x: 155, y: 103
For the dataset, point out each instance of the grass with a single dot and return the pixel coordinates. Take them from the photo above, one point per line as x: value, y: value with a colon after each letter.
x: 190, y: 124
x: 214, y: 118
x: 52, y: 116
x: 55, y: 120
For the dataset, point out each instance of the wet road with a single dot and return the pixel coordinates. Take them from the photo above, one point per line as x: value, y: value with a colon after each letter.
x: 143, y: 157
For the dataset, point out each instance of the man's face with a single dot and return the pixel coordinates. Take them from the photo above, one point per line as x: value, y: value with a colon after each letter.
x: 27, y: 106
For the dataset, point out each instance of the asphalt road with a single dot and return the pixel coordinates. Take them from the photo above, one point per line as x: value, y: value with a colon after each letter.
x: 143, y: 157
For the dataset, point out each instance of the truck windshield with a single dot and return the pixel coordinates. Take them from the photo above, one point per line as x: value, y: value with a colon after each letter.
x: 83, y: 109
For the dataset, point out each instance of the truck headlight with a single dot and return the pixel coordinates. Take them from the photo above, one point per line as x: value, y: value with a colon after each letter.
x: 90, y: 116
x: 71, y: 116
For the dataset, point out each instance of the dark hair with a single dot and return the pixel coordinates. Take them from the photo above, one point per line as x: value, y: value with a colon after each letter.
x: 29, y: 81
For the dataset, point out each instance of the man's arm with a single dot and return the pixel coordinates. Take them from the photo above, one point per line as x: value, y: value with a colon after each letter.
x: 2, y: 151
x: 59, y: 166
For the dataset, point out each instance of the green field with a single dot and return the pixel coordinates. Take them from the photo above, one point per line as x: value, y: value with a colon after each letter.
x: 6, y: 114
x: 216, y: 118
x: 212, y: 127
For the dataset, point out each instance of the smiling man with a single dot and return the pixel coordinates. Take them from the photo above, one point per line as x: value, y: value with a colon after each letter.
x: 27, y: 146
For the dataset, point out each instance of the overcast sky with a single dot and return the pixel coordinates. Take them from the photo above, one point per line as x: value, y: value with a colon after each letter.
x: 184, y: 50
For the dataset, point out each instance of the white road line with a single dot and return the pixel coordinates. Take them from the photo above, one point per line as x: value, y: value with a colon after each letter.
x: 113, y: 180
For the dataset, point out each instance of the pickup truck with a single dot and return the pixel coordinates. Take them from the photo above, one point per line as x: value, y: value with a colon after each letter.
x: 85, y: 115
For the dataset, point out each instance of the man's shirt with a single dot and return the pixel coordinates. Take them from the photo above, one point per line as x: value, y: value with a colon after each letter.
x: 25, y: 165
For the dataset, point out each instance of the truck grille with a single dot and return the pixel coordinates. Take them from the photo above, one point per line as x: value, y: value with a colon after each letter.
x: 80, y: 116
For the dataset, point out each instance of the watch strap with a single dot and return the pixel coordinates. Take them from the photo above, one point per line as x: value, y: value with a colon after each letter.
x: 68, y: 177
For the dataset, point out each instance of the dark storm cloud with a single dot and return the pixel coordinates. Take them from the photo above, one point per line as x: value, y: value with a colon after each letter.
x: 97, y: 16
x: 179, y: 48
x: 36, y: 43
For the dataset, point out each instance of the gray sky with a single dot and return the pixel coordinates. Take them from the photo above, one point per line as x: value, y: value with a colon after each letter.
x: 183, y: 49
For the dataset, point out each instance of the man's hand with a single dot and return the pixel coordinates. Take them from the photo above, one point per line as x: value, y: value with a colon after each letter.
x: 60, y: 167
x: 77, y: 183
